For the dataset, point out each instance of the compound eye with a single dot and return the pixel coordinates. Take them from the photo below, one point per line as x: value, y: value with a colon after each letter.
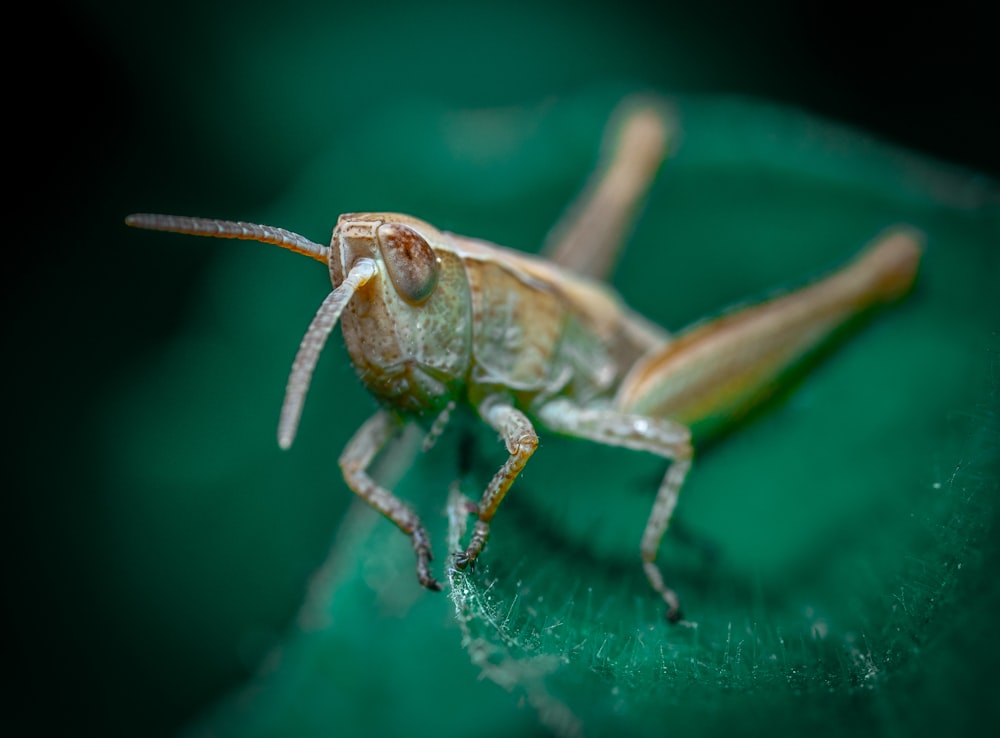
x: 410, y: 260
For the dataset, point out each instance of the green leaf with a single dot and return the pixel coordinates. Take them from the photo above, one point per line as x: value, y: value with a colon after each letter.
x: 833, y: 556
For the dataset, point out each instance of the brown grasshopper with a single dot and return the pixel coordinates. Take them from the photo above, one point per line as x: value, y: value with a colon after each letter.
x: 432, y: 319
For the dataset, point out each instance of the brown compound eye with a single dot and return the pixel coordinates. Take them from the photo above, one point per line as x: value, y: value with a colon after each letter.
x: 410, y: 260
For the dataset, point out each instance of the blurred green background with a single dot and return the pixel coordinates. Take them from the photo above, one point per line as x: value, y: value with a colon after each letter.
x: 159, y: 543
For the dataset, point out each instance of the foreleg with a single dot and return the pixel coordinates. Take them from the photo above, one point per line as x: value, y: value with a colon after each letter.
x: 354, y: 462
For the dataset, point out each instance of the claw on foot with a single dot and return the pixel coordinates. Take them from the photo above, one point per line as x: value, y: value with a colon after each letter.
x: 422, y: 548
x: 430, y: 583
x: 668, y: 595
x: 464, y: 560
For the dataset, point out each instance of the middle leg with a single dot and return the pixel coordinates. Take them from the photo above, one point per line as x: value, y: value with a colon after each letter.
x: 664, y: 438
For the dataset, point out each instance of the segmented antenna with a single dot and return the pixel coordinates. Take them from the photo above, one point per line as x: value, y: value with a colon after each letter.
x: 230, y: 229
x: 312, y: 345
x: 322, y: 323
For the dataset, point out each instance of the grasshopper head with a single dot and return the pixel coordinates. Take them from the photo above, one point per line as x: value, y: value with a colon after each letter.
x: 385, y: 272
x: 408, y: 330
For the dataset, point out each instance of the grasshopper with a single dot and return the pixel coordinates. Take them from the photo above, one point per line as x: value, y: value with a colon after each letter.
x: 432, y: 319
